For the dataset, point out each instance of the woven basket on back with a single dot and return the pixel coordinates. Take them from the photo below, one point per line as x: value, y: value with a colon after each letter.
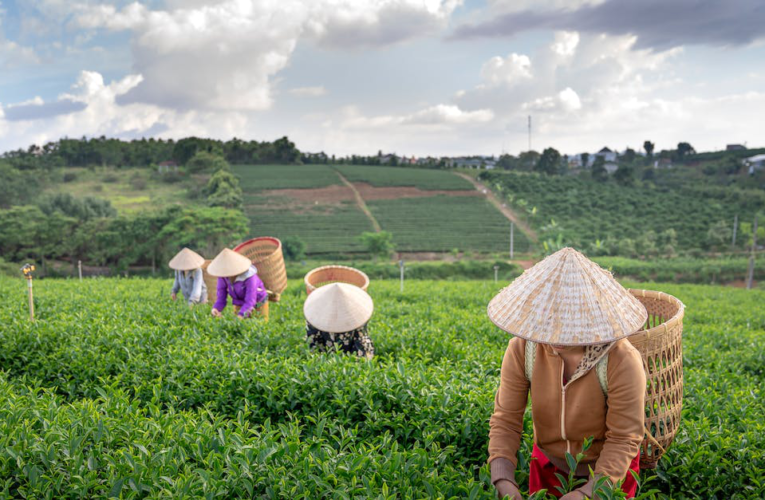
x: 211, y: 282
x: 266, y: 253
x: 335, y: 274
x: 660, y: 344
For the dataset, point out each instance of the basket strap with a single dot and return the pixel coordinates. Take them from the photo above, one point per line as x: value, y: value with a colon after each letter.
x: 530, y: 357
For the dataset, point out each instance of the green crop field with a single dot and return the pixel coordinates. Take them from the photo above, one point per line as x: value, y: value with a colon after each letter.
x: 325, y: 228
x: 427, y: 224
x: 443, y: 223
x: 421, y: 178
x: 587, y: 210
x: 262, y: 177
x: 117, y: 391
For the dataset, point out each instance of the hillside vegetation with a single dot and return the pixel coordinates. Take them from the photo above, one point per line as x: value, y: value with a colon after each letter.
x: 636, y: 220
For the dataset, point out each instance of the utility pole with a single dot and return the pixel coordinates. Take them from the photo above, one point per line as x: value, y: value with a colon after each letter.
x: 735, y: 229
x: 512, y: 240
x: 750, y: 273
x: 529, y: 132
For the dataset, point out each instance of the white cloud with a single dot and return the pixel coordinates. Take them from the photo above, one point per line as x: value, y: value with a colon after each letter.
x: 438, y: 117
x: 510, y: 70
x: 565, y: 43
x: 507, y: 6
x: 223, y: 54
x: 308, y: 91
x: 100, y: 114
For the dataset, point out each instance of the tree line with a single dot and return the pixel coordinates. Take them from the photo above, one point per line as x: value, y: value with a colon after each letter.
x: 102, y: 151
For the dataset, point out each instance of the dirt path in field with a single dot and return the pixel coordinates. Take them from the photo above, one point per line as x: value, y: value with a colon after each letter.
x: 505, y: 210
x: 362, y: 205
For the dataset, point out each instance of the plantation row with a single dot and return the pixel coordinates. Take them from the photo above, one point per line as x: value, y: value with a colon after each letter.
x: 147, y: 398
x: 426, y: 224
x: 586, y: 210
x: 263, y: 177
x: 443, y: 223
x: 421, y: 178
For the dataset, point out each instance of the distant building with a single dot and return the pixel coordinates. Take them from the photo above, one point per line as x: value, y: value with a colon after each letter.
x: 611, y: 167
x: 662, y: 163
x: 735, y: 147
x: 755, y: 163
x: 475, y: 162
x: 607, y: 154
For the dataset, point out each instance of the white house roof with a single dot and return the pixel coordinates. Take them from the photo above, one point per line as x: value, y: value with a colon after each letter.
x: 756, y: 158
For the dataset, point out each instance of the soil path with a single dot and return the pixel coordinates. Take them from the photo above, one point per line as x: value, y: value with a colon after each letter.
x: 506, y: 211
x: 362, y: 205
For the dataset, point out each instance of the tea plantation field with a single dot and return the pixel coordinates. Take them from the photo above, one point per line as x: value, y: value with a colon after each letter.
x: 422, y: 178
x: 323, y: 212
x: 117, y: 391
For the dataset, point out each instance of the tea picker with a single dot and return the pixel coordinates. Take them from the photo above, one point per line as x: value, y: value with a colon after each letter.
x: 27, y: 270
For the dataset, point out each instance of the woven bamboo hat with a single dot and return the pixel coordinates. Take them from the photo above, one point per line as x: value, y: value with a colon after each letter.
x: 228, y: 263
x: 338, y: 308
x: 186, y: 260
x: 567, y: 299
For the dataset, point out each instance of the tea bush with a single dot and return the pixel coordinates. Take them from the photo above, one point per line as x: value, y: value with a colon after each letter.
x: 116, y: 390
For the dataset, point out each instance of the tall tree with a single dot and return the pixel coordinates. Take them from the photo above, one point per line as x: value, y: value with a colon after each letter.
x: 599, y: 172
x: 649, y: 147
x: 549, y: 162
x: 684, y: 149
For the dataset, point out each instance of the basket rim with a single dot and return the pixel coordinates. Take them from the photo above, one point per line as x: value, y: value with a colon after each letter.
x: 664, y: 297
x: 332, y: 266
x: 252, y: 241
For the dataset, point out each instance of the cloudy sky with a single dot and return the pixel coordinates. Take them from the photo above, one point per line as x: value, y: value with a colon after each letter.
x: 416, y: 77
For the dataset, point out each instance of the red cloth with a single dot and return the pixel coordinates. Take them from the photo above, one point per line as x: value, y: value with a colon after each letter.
x: 542, y: 475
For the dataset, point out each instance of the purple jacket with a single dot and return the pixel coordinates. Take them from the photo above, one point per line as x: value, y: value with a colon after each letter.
x: 245, y: 293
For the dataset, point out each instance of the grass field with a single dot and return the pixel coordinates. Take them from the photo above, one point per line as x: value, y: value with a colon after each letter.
x: 263, y: 177
x: 443, y: 223
x: 117, y: 391
x: 128, y: 190
x: 426, y: 179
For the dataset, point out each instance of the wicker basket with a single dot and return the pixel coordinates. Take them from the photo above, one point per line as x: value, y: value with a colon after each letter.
x: 266, y: 253
x: 211, y: 282
x: 660, y: 344
x: 335, y: 274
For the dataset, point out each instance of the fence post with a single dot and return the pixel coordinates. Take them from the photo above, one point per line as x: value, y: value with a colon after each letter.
x: 735, y: 229
x: 496, y: 270
x: 401, y: 267
x: 750, y: 273
x: 79, y: 268
x: 512, y: 239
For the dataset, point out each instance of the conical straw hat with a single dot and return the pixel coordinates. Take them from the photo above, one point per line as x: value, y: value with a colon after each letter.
x: 567, y: 300
x: 186, y: 260
x: 338, y: 308
x: 228, y: 263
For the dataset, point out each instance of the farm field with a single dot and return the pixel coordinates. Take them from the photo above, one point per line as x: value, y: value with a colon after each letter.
x: 422, y: 178
x: 118, y: 391
x: 586, y: 210
x: 443, y: 223
x: 426, y: 210
x: 263, y: 177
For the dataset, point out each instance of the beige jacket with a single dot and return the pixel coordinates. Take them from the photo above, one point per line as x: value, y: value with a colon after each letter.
x: 564, y: 416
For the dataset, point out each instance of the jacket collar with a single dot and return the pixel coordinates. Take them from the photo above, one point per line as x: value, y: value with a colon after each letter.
x: 247, y: 274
